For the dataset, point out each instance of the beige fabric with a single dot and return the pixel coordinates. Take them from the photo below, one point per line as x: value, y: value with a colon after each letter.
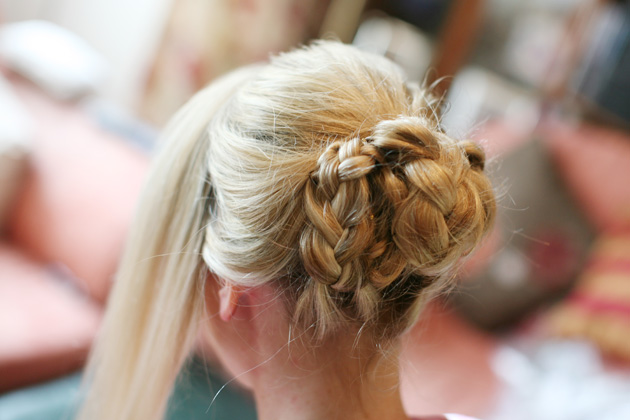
x: 201, y: 42
x: 15, y: 131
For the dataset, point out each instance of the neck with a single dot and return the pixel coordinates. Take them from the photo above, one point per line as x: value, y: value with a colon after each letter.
x: 329, y: 382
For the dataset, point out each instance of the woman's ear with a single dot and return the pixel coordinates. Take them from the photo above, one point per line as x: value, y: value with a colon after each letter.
x: 229, y: 295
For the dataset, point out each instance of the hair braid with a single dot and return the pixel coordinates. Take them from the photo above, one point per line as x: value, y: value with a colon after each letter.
x: 406, y: 199
x: 337, y: 245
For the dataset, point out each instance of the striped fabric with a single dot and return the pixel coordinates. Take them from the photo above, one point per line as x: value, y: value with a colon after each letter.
x: 598, y: 309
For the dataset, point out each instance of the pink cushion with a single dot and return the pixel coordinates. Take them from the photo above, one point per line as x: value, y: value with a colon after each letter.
x: 595, y: 163
x: 45, y: 324
x: 80, y: 196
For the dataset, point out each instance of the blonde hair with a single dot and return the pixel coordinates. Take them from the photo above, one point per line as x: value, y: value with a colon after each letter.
x: 324, y: 174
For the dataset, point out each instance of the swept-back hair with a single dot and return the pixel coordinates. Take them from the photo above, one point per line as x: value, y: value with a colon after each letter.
x: 325, y: 174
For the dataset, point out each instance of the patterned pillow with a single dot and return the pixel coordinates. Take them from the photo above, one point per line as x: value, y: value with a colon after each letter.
x: 598, y: 308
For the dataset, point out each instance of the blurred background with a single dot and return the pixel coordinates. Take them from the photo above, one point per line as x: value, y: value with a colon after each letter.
x: 539, y: 324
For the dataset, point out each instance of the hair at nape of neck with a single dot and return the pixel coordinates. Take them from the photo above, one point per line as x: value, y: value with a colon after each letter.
x: 323, y: 174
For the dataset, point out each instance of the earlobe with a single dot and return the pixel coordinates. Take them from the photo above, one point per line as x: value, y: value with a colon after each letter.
x: 228, y: 301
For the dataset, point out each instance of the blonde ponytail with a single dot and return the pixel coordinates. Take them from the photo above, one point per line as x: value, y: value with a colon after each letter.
x: 153, y: 311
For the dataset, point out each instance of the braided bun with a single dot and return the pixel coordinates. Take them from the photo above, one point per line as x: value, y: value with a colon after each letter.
x: 402, y: 205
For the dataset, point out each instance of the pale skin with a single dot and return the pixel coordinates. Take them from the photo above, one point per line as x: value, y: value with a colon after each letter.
x: 290, y: 377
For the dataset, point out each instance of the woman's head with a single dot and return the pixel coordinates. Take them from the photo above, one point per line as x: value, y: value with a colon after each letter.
x: 323, y: 176
x: 330, y: 179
